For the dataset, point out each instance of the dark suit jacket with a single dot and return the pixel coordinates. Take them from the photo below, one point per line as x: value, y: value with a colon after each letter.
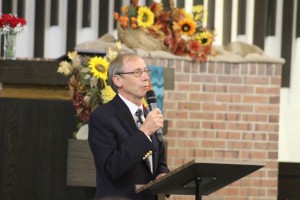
x: 118, y: 148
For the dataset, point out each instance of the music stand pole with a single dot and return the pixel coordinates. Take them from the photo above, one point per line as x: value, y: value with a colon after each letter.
x: 198, y: 195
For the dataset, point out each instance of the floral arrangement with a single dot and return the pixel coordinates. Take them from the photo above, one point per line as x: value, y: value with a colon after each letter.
x: 87, y: 85
x: 181, y: 33
x: 11, y: 24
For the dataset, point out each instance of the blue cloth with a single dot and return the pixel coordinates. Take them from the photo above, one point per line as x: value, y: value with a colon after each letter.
x: 157, y: 80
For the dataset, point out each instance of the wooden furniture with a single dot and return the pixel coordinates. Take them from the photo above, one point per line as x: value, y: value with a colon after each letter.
x: 36, y: 120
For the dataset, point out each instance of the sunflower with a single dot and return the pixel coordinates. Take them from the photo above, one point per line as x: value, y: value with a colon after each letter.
x: 99, y: 67
x: 107, y: 94
x: 205, y: 38
x: 187, y: 26
x: 145, y: 17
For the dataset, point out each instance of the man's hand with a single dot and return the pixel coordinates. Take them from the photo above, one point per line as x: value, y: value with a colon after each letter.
x: 153, y: 122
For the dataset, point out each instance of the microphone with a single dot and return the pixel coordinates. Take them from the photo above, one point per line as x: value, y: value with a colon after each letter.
x: 151, y: 100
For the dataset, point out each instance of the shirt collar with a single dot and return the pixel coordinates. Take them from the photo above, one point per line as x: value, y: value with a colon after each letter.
x: 132, y: 107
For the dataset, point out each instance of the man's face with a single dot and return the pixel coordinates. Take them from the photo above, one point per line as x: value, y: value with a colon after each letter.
x: 134, y: 88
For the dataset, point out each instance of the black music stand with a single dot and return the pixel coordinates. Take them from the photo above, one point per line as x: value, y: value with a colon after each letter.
x: 199, y: 177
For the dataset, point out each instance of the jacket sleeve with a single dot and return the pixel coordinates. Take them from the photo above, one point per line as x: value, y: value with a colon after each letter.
x: 115, y: 150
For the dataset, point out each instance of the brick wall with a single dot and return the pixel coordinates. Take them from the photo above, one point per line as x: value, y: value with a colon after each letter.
x: 225, y: 111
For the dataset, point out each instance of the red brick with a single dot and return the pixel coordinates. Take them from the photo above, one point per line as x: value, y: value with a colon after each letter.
x: 188, y: 106
x: 241, y: 89
x: 255, y: 118
x: 187, y: 87
x: 240, y: 108
x: 200, y: 78
x: 182, y: 78
x: 201, y: 115
x: 256, y: 80
x: 212, y: 144
x: 256, y: 99
x: 214, y: 107
x: 188, y: 124
x: 230, y: 79
x: 228, y: 98
x: 202, y: 97
x: 214, y: 125
x: 178, y: 96
x: 267, y: 90
x: 176, y: 114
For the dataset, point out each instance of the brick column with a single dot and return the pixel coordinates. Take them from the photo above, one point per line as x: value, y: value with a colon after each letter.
x: 225, y: 111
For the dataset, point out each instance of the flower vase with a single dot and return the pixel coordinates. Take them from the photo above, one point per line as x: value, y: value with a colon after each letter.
x: 10, y: 46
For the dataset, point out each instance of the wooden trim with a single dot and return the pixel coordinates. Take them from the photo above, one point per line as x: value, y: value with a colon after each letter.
x: 39, y: 30
x: 271, y: 17
x: 31, y: 72
x: 117, y: 8
x: 21, y: 8
x: 54, y: 13
x: 298, y: 19
x: 227, y: 10
x: 71, y: 25
x: 86, y: 13
x: 242, y: 12
x: 197, y: 2
x: 103, y: 17
x: 259, y: 29
x: 286, y: 44
x: 211, y: 15
x: 180, y: 4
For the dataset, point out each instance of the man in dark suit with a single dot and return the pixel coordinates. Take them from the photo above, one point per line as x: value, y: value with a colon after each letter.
x: 124, y: 154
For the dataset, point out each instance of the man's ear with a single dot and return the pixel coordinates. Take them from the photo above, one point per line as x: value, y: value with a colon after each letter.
x: 118, y: 81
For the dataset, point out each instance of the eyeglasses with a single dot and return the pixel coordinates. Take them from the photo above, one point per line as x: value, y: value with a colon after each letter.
x: 137, y: 72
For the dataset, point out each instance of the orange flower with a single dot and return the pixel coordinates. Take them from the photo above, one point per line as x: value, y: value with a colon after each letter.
x: 133, y: 22
x: 124, y: 21
x: 187, y: 26
x: 116, y: 16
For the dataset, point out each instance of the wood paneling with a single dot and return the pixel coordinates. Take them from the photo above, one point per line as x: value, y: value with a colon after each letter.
x: 289, y: 181
x: 33, y: 150
x: 31, y: 72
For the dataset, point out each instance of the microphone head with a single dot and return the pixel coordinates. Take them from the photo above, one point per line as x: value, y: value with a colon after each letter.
x: 150, y: 97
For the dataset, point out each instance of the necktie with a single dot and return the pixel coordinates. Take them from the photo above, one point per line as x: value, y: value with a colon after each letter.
x: 140, y: 121
x: 140, y: 115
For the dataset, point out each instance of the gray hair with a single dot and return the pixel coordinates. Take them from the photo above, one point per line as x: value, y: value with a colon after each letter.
x: 116, y: 66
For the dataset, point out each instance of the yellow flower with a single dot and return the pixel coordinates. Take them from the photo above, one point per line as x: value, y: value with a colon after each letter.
x: 64, y: 68
x: 99, y: 67
x: 197, y: 9
x: 107, y: 94
x: 145, y: 17
x: 187, y: 26
x: 205, y: 38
